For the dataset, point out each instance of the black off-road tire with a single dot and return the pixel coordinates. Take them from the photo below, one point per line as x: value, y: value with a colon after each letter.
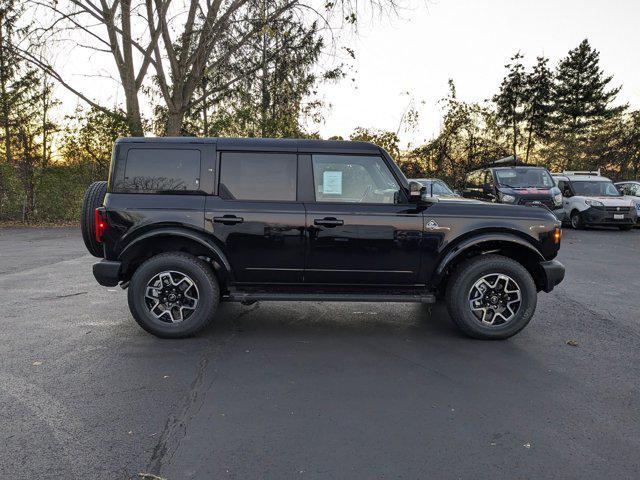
x: 576, y: 221
x: 198, y: 271
x: 93, y: 198
x: 461, y: 283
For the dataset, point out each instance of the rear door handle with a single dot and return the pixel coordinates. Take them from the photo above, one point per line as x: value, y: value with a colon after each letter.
x: 228, y: 220
x: 328, y: 222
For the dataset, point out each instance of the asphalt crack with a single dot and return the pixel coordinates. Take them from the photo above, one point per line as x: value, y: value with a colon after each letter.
x: 175, y: 427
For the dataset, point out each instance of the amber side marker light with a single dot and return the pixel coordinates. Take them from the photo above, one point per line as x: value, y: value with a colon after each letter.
x: 557, y: 235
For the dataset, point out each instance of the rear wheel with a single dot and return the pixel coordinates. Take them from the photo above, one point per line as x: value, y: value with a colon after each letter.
x: 576, y: 220
x: 173, y: 295
x: 491, y: 297
x: 93, y: 198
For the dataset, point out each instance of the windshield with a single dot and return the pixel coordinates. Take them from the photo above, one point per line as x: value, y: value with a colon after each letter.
x: 595, y: 189
x: 524, y: 177
x: 439, y: 188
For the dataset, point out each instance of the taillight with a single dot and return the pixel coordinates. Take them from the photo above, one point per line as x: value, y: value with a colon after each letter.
x: 100, y: 224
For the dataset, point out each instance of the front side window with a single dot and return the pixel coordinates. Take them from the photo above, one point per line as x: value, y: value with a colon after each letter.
x: 440, y: 188
x: 258, y: 176
x: 633, y: 189
x: 166, y: 170
x: 353, y: 179
x: 594, y: 188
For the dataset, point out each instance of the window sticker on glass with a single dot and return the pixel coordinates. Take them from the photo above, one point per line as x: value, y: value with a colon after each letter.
x: 332, y: 183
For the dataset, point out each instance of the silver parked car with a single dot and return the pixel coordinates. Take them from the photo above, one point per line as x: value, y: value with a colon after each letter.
x: 631, y: 188
x: 436, y: 187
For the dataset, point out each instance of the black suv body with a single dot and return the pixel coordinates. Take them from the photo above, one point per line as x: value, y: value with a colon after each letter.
x: 516, y: 185
x: 188, y: 222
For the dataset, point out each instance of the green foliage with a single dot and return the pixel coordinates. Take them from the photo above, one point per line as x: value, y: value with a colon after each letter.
x: 382, y: 138
x: 538, y: 104
x: 510, y: 101
x: 470, y: 136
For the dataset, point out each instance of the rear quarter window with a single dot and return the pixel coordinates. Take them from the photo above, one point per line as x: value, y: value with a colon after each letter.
x: 258, y: 176
x: 161, y: 170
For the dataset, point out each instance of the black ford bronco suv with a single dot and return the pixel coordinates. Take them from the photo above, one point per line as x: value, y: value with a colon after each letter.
x: 185, y: 223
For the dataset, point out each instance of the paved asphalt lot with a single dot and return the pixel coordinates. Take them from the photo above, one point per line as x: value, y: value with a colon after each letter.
x: 286, y: 390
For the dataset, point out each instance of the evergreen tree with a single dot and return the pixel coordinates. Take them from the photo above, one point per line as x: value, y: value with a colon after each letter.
x: 582, y: 101
x: 538, y: 109
x: 510, y: 101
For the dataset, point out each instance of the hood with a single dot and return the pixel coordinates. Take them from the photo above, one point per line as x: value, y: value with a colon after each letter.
x: 456, y: 198
x: 480, y: 210
x: 610, y: 201
x: 523, y: 192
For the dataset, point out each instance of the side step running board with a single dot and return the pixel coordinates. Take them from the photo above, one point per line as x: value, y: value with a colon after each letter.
x: 326, y: 297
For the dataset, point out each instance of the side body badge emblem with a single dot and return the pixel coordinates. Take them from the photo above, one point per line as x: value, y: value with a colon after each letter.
x: 432, y: 224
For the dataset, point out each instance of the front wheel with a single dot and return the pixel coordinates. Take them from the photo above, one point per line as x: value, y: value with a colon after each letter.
x: 173, y: 295
x: 576, y: 220
x: 491, y: 297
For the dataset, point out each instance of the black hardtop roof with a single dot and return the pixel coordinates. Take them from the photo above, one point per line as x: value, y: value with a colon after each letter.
x: 271, y: 144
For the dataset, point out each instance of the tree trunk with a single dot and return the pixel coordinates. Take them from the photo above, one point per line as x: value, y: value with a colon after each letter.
x: 174, y: 123
x: 134, y: 119
x: 515, y: 139
x: 526, y: 158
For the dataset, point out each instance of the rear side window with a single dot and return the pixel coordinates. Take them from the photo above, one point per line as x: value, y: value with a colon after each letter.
x: 156, y: 170
x: 258, y: 176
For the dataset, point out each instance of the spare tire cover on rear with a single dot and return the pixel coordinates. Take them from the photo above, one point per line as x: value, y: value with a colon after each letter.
x: 93, y: 198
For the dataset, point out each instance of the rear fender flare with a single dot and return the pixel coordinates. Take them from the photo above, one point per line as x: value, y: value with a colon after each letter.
x: 201, y: 238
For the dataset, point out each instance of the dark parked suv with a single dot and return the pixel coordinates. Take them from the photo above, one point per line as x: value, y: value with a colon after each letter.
x: 517, y: 185
x: 186, y: 223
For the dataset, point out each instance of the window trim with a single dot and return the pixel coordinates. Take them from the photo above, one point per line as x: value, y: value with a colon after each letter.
x: 346, y: 154
x: 218, y: 177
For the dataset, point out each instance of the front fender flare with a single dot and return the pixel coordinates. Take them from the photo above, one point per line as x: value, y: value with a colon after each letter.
x: 462, y: 246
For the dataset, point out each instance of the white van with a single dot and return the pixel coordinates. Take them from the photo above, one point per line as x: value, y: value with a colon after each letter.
x: 591, y: 199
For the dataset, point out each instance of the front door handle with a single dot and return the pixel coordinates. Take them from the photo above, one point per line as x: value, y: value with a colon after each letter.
x: 329, y: 222
x: 228, y: 220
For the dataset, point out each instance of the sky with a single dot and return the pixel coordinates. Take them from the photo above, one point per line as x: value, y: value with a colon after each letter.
x: 470, y: 41
x: 422, y: 46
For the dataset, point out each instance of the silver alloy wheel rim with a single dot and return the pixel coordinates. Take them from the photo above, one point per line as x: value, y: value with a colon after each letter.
x: 171, y: 296
x: 495, y: 299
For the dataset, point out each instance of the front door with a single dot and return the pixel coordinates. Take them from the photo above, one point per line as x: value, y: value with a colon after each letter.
x: 362, y: 229
x: 257, y: 218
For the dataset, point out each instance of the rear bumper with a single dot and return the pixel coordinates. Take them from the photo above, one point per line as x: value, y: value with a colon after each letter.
x: 553, y: 274
x: 107, y: 272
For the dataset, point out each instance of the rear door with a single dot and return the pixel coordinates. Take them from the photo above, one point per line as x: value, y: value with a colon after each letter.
x: 257, y: 217
x: 362, y: 229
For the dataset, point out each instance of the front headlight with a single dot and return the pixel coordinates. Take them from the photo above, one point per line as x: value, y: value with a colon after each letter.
x: 594, y: 203
x: 557, y: 199
x: 507, y: 198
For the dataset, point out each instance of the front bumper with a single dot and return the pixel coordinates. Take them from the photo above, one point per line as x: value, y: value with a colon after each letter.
x: 600, y: 216
x: 553, y: 274
x: 107, y: 272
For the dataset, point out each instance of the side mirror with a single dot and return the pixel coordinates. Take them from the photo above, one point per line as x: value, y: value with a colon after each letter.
x: 457, y: 192
x: 486, y: 189
x: 416, y: 189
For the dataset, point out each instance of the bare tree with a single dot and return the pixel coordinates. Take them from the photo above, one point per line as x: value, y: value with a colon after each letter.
x: 177, y: 41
